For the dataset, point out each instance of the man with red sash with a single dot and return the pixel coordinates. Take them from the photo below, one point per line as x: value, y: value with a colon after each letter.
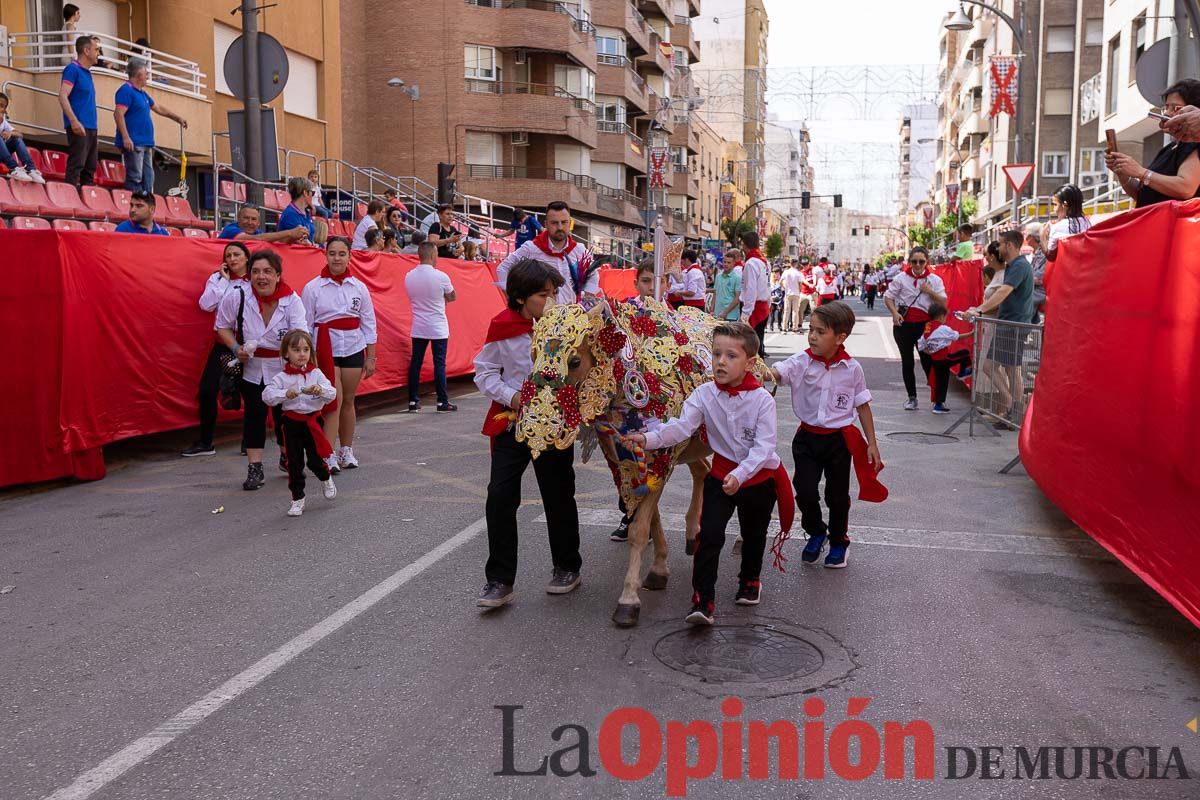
x: 555, y: 247
x: 908, y: 297
x: 687, y: 286
x: 747, y: 476
x: 829, y: 391
x: 756, y: 290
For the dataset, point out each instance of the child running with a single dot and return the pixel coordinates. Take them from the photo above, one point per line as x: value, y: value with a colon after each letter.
x: 302, y: 390
x: 746, y: 477
x: 936, y: 342
x: 829, y: 391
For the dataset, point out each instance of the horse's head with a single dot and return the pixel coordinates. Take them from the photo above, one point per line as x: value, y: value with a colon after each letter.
x: 565, y: 387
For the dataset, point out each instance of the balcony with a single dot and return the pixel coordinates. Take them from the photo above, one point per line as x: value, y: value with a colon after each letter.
x: 541, y: 25
x: 616, y: 77
x: 618, y: 144
x: 686, y: 134
x: 655, y: 58
x: 521, y: 106
x: 682, y: 35
x: 684, y: 181
x: 661, y: 8
x: 624, y: 16
x: 521, y: 186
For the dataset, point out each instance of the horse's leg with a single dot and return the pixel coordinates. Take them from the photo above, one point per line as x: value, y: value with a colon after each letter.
x: 699, y: 469
x: 659, y: 571
x: 629, y: 605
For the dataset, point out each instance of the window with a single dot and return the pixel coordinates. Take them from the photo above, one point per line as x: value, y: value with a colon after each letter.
x: 300, y: 94
x: 1091, y: 161
x: 223, y: 37
x: 1114, y: 77
x: 1057, y: 102
x: 1056, y: 165
x: 483, y: 148
x: 577, y: 81
x: 609, y: 110
x: 1093, y: 32
x: 1060, y: 39
x: 1137, y: 44
x: 479, y: 62
x: 678, y: 156
x: 610, y: 46
x: 680, y: 57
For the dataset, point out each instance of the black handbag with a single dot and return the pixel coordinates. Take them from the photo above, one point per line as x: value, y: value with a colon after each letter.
x: 231, y: 369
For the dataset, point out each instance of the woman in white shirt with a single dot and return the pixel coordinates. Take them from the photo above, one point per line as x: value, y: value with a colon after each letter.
x: 1070, y: 220
x: 266, y: 315
x: 338, y: 307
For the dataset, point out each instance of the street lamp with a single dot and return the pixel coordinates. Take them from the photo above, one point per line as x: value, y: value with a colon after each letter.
x: 414, y: 94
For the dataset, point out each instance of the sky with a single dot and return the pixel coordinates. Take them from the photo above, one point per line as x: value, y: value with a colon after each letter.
x: 854, y: 134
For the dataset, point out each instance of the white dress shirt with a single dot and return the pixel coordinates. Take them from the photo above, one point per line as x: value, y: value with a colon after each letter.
x: 288, y: 316
x: 579, y: 256
x: 502, y: 367
x: 756, y: 285
x: 692, y: 287
x: 275, y: 392
x: 906, y: 290
x: 325, y: 299
x: 827, y: 398
x: 215, y: 288
x: 740, y: 427
x: 427, y: 288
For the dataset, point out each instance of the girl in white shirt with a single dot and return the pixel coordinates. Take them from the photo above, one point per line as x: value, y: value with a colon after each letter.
x: 1068, y: 209
x: 301, y: 391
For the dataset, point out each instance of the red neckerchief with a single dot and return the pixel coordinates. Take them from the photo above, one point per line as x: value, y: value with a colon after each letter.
x: 908, y: 270
x: 749, y: 384
x: 755, y: 253
x: 542, y: 241
x: 307, y: 368
x: 829, y: 279
x: 282, y: 290
x: 506, y: 325
x: 325, y: 273
x: 245, y: 276
x: 840, y: 355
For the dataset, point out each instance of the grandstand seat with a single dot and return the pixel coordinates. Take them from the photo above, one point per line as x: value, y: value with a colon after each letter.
x: 98, y: 199
x: 360, y: 211
x: 9, y: 204
x: 3, y: 224
x: 105, y: 227
x: 175, y: 231
x: 271, y: 200
x: 35, y: 155
x: 180, y: 208
x: 195, y: 233
x: 120, y: 199
x: 285, y: 199
x: 233, y: 191
x: 34, y: 194
x: 54, y: 165
x: 30, y: 224
x: 165, y: 215
x: 69, y: 225
x: 65, y: 202
x: 110, y: 174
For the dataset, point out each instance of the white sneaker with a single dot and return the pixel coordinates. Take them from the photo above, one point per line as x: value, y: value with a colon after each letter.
x: 332, y: 463
x: 297, y: 508
x: 329, y: 489
x: 36, y: 176
x: 19, y: 174
x: 346, y: 459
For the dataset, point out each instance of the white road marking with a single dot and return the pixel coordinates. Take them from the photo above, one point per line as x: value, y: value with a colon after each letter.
x: 967, y: 541
x: 135, y: 753
x: 885, y: 332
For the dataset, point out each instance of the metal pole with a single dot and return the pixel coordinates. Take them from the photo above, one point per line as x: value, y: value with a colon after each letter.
x: 1022, y: 101
x: 252, y: 104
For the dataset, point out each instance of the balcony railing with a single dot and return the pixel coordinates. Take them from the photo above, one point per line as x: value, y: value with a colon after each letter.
x: 611, y: 60
x: 499, y: 172
x: 609, y: 126
x: 571, y: 10
x: 50, y: 51
x: 680, y: 20
x: 483, y: 86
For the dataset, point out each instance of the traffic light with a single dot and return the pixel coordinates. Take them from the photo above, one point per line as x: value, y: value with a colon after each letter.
x: 854, y: 231
x: 837, y: 201
x: 867, y: 230
x: 445, y: 184
x: 806, y: 199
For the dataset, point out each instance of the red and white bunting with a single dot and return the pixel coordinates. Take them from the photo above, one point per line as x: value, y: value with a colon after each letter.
x: 951, y: 198
x: 658, y: 167
x: 1005, y: 81
x: 928, y: 212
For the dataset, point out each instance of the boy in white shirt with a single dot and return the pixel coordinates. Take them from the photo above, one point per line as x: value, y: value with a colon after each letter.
x: 936, y: 343
x: 829, y: 391
x: 746, y: 477
x: 302, y: 390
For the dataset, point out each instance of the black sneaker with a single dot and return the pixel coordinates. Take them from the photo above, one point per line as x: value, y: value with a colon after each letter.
x: 242, y: 450
x: 199, y: 449
x: 254, y: 477
x: 563, y: 581
x: 621, y: 534
x: 748, y: 593
x: 702, y: 611
x: 414, y: 406
x: 444, y: 407
x: 494, y: 595
x: 283, y: 462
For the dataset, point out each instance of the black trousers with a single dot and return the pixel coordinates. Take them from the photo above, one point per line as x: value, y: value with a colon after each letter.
x: 941, y: 372
x: 870, y: 296
x: 439, y: 367
x: 83, y: 152
x: 299, y: 443
x: 555, y: 473
x: 775, y: 318
x: 254, y: 418
x: 906, y: 335
x: 816, y: 455
x: 753, y: 505
x: 210, y: 389
x: 761, y: 330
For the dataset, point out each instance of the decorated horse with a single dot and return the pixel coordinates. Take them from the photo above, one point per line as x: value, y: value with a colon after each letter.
x: 609, y: 371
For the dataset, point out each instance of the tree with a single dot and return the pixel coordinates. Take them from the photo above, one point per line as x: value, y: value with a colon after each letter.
x: 945, y: 226
x: 774, y: 245
x: 734, y: 228
x: 885, y: 258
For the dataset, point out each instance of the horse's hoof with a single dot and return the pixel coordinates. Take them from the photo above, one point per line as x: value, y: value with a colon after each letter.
x: 690, y: 547
x: 655, y: 582
x: 626, y: 616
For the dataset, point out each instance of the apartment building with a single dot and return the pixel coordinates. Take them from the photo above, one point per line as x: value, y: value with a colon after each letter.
x: 844, y: 235
x: 918, y: 151
x: 786, y: 174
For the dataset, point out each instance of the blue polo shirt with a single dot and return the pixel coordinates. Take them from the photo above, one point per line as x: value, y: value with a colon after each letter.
x: 293, y: 217
x: 526, y: 230
x: 137, y: 105
x: 233, y: 230
x: 128, y: 227
x: 82, y: 96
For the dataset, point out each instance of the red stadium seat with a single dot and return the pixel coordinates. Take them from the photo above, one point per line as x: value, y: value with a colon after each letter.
x: 271, y: 200
x: 233, y: 191
x: 360, y: 211
x: 110, y: 174
x: 120, y: 199
x: 35, y: 155
x: 34, y: 194
x: 195, y: 233
x: 180, y: 208
x: 64, y: 196
x: 285, y: 199
x: 98, y: 199
x: 54, y: 165
x: 30, y: 224
x: 3, y: 224
x: 69, y: 225
x: 164, y: 213
x: 175, y: 231
x: 105, y: 227
x: 9, y: 204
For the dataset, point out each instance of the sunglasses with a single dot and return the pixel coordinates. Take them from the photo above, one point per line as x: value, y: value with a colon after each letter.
x: 918, y: 262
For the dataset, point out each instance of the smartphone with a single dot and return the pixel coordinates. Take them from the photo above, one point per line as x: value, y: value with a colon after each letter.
x: 1157, y: 115
x: 1111, y: 136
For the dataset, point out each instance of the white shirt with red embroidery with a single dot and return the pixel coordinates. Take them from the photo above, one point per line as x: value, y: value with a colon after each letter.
x: 275, y: 392
x: 578, y: 256
x: 827, y: 398
x: 502, y: 367
x: 326, y: 299
x: 740, y: 427
x: 288, y: 316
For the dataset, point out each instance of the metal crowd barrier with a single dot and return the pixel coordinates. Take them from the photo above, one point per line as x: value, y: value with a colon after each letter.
x: 1006, y: 360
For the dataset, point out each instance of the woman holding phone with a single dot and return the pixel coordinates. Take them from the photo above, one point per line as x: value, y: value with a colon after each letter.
x: 1174, y: 174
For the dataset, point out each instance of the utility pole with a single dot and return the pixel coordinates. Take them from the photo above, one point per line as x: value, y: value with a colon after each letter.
x: 253, y: 104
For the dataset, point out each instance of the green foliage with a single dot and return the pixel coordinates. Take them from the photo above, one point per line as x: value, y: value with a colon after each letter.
x: 733, y: 230
x: 884, y: 258
x: 774, y: 245
x: 944, y: 229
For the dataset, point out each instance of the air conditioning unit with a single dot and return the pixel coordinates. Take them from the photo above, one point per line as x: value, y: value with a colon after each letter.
x: 522, y: 55
x: 1093, y: 180
x: 519, y: 138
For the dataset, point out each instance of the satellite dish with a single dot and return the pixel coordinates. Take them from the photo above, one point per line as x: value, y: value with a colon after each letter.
x: 272, y: 67
x: 1152, y: 70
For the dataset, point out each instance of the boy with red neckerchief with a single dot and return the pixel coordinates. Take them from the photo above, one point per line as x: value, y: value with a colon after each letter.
x: 829, y: 391
x: 746, y: 477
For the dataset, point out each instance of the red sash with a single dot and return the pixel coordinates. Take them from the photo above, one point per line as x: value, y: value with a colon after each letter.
x: 325, y: 349
x: 916, y: 315
x: 722, y: 466
x: 265, y: 352
x: 869, y: 488
x: 762, y: 310
x: 324, y: 449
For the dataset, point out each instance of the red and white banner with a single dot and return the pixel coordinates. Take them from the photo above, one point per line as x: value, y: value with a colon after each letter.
x: 762, y: 228
x: 726, y: 205
x: 1005, y: 80
x: 658, y: 166
x: 928, y: 211
x: 951, y: 198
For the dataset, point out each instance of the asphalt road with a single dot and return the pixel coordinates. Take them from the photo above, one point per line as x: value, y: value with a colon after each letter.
x: 151, y: 648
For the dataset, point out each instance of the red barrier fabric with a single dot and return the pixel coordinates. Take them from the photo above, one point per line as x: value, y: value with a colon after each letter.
x: 619, y: 284
x: 1112, y: 429
x: 119, y: 341
x: 964, y: 288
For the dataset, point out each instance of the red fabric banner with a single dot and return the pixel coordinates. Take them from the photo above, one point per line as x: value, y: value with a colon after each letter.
x: 964, y: 288
x: 618, y: 283
x: 118, y: 342
x: 1112, y: 429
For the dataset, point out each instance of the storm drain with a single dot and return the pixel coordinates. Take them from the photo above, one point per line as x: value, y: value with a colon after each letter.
x: 916, y: 437
x: 732, y: 654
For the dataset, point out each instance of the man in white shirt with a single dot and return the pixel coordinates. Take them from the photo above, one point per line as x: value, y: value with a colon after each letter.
x: 555, y: 247
x: 756, y: 290
x: 429, y: 289
x: 792, y: 280
x: 374, y: 217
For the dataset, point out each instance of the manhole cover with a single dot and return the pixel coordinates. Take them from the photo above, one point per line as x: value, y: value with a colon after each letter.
x: 914, y: 437
x: 731, y: 654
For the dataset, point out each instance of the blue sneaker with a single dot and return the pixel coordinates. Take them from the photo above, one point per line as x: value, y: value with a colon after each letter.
x: 836, y: 558
x: 940, y: 408
x: 812, y: 550
x: 965, y: 373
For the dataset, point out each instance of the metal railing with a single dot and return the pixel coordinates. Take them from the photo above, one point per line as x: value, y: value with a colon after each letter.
x: 611, y: 60
x: 483, y: 86
x: 608, y: 126
x: 570, y: 10
x: 51, y: 51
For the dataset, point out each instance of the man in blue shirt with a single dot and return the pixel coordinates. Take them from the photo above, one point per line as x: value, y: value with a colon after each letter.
x: 526, y: 226
x: 77, y: 97
x: 141, y: 216
x: 247, y: 227
x: 297, y: 214
x: 135, y: 129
